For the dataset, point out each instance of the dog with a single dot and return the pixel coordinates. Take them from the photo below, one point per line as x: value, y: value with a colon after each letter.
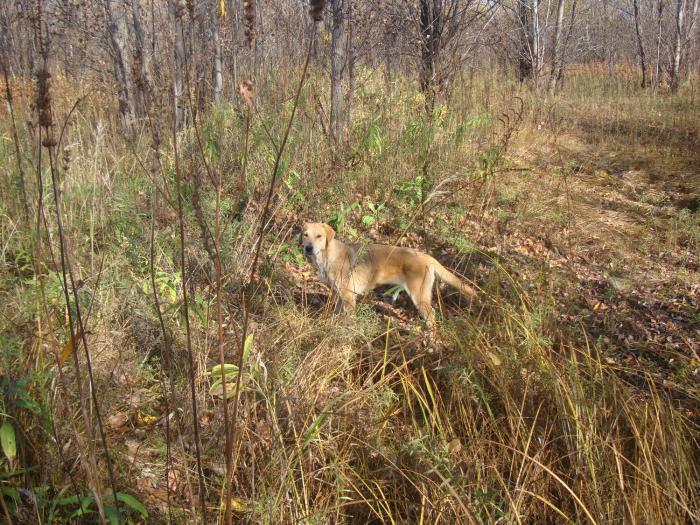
x: 355, y: 269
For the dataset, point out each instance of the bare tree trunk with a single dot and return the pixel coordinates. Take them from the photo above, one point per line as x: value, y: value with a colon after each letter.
x: 565, y: 45
x: 691, y: 18
x: 337, y: 68
x: 525, y: 45
x: 640, y: 45
x: 200, y: 33
x: 659, y: 33
x: 677, y: 46
x: 217, y: 74
x: 233, y: 39
x: 388, y: 57
x: 431, y: 31
x: 176, y: 12
x: 351, y: 65
x: 141, y: 69
x: 535, y: 38
x: 554, y: 73
x: 7, y: 48
x: 116, y: 29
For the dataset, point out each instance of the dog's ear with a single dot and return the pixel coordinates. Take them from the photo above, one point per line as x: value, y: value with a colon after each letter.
x: 330, y: 233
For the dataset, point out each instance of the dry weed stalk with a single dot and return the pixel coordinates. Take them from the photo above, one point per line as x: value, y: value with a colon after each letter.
x: 212, y: 244
x: 45, y: 119
x: 166, y: 348
x: 15, y: 140
x: 248, y: 292
x: 188, y: 331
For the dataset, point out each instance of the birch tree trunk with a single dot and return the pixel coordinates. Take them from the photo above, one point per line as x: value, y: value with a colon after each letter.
x: 659, y: 34
x: 116, y: 29
x: 640, y: 44
x: 565, y: 44
x: 217, y: 73
x: 554, y: 73
x: 337, y: 69
x: 677, y: 45
x: 535, y: 38
x: 176, y: 12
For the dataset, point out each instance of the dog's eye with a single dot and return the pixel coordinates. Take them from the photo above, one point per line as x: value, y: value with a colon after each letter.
x: 318, y: 236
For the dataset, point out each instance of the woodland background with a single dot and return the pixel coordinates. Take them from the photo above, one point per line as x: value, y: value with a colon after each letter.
x: 168, y: 356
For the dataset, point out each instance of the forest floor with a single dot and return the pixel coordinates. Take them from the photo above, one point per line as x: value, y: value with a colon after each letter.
x: 569, y: 390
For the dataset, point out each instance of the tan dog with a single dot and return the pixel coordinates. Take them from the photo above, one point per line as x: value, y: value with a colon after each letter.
x: 355, y: 269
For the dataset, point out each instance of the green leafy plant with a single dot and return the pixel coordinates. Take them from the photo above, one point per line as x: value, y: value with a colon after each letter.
x: 17, y: 393
x: 488, y: 161
x: 416, y: 189
x: 130, y: 509
x: 338, y: 220
x: 168, y: 285
x: 289, y: 253
x: 373, y: 141
x: 374, y: 212
x: 230, y: 372
x: 8, y: 440
x: 477, y: 121
x: 294, y: 182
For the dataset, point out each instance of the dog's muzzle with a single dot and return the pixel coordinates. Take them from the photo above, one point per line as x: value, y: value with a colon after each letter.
x: 308, y: 249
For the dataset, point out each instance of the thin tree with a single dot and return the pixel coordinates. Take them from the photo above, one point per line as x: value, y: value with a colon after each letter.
x: 525, y: 62
x: 554, y: 73
x: 350, y: 54
x: 142, y: 72
x: 640, y: 44
x: 176, y: 13
x: 677, y: 45
x: 338, y: 49
x: 217, y: 73
x: 117, y: 33
x: 431, y: 26
x: 659, y: 34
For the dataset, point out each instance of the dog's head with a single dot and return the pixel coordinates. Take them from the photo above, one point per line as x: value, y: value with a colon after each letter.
x: 315, y: 237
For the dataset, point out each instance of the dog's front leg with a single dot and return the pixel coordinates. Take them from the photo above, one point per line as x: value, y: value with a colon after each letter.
x: 340, y: 303
x: 347, y: 300
x: 338, y: 306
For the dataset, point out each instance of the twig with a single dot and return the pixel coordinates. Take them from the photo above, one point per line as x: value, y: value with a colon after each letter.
x: 190, y: 357
x: 165, y: 352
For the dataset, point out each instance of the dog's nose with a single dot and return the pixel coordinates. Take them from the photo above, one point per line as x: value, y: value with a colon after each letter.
x: 308, y: 248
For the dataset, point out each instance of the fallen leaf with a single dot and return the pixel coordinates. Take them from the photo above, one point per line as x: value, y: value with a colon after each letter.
x: 454, y: 446
x: 237, y: 504
x: 68, y: 349
x: 146, y: 420
x: 118, y: 422
x: 495, y: 359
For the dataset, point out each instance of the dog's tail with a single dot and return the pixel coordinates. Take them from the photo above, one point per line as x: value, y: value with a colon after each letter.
x: 447, y: 276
